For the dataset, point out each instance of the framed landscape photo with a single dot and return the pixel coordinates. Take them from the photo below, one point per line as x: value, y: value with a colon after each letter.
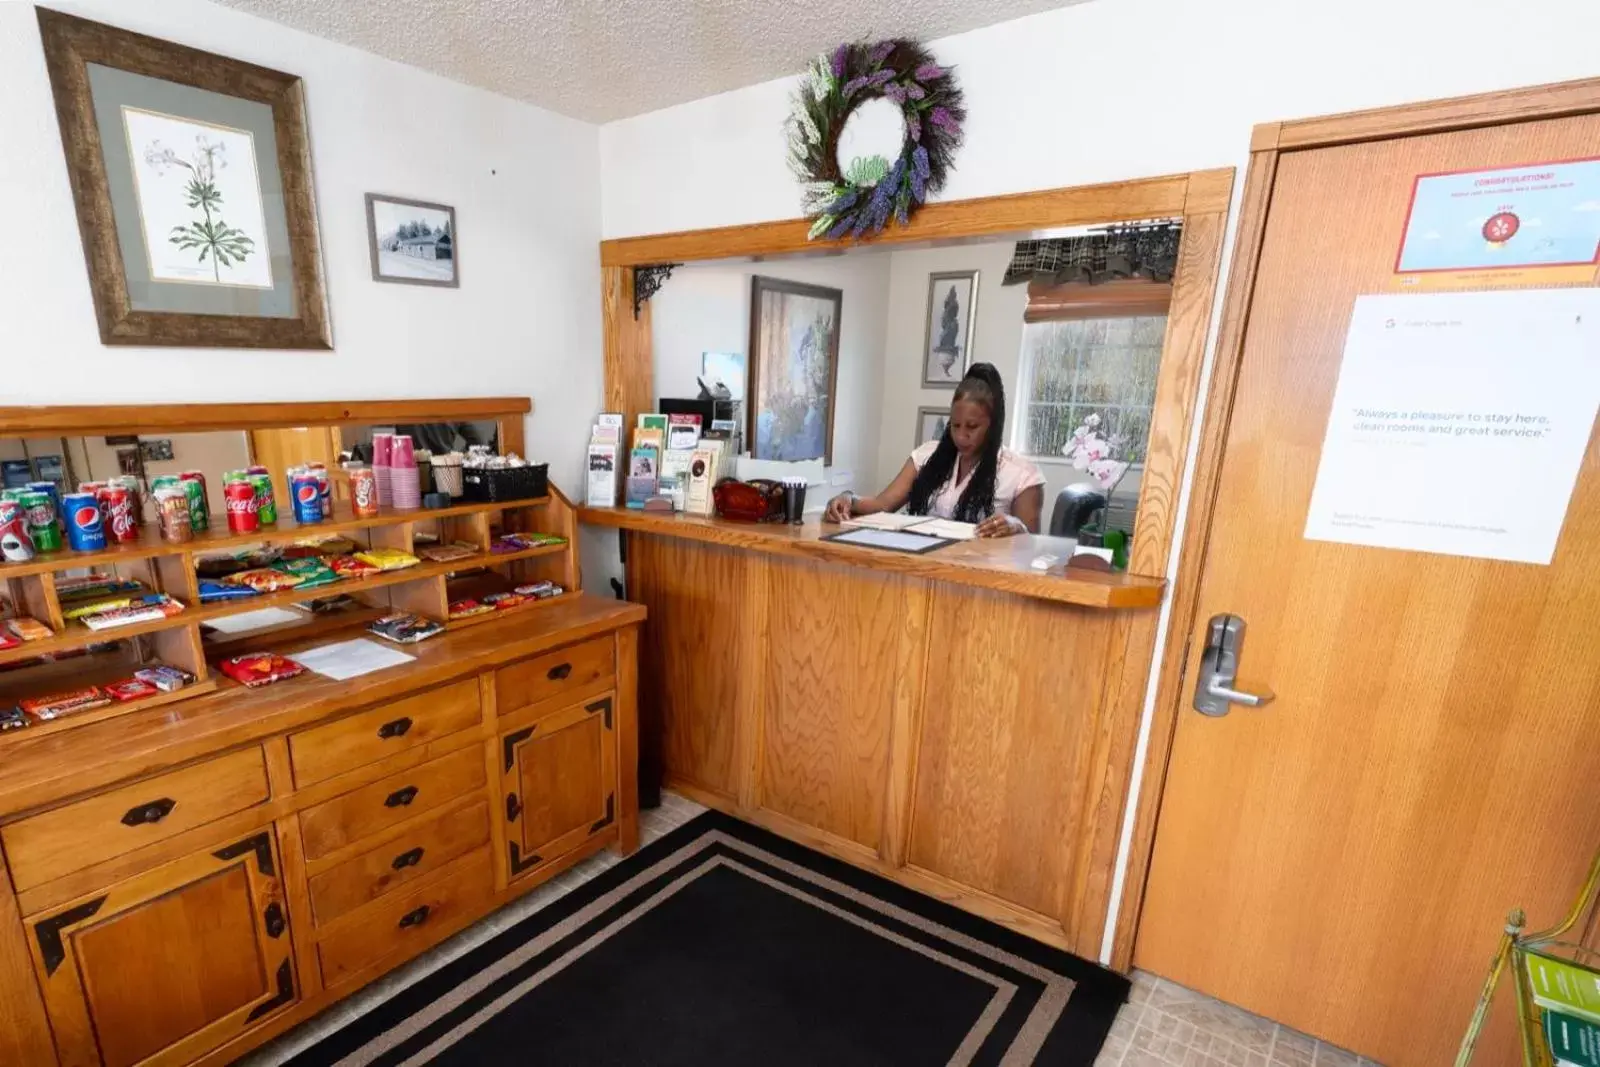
x: 412, y: 242
x: 931, y: 423
x: 952, y: 317
x: 191, y: 176
x: 794, y: 366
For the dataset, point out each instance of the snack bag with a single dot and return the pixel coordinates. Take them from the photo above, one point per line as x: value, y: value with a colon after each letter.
x: 311, y: 571
x: 387, y: 559
x: 405, y: 628
x: 448, y: 553
x: 260, y: 669
x: 351, y: 567
x: 130, y: 689
x: 210, y: 591
x: 219, y: 566
x: 265, y: 580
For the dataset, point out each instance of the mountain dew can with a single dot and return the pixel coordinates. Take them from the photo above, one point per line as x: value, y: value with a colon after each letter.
x: 266, y: 503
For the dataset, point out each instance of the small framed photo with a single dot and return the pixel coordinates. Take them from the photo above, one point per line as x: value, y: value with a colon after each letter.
x: 930, y: 424
x: 412, y: 242
x: 952, y: 318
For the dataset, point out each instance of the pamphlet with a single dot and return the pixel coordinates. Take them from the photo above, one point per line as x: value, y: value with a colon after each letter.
x: 648, y: 421
x: 683, y: 431
x: 350, y: 659
x: 643, y: 467
x: 1572, y: 1040
x: 601, y: 491
x: 609, y: 418
x: 697, y: 498
x: 1564, y: 986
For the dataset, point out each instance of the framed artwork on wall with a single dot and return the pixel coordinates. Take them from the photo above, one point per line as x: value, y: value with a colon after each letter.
x: 794, y: 366
x: 412, y: 242
x: 952, y: 318
x: 930, y: 424
x: 191, y: 175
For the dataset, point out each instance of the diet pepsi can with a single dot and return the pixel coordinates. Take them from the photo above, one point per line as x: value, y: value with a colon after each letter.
x: 16, y: 546
x: 86, y: 528
x: 306, y: 492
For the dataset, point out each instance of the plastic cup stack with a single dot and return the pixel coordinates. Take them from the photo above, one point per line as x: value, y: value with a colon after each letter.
x: 382, y: 460
x: 405, y: 483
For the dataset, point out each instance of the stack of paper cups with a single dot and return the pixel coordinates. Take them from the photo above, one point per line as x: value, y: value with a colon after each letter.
x: 405, y: 484
x: 382, y: 460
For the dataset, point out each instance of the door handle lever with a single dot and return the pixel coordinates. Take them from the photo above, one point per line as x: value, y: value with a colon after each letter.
x: 1214, y: 691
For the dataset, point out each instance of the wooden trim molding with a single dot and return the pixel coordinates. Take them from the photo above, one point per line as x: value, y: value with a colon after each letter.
x: 193, y: 418
x: 1267, y: 142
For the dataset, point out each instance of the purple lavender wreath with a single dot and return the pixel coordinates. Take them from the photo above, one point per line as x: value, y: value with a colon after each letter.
x: 860, y: 200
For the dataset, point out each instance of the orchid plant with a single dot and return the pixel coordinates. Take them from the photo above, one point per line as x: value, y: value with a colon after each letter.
x: 1092, y: 451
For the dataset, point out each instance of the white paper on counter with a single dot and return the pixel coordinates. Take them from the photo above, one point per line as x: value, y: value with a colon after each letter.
x: 350, y: 659
x: 260, y: 619
x: 1459, y: 422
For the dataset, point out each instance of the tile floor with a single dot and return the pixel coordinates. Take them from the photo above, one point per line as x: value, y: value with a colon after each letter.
x: 1162, y: 1025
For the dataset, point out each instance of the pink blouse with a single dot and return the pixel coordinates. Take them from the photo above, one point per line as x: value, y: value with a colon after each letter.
x: 1013, y: 476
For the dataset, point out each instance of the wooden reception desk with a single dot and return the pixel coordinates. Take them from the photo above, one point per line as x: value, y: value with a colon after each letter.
x: 956, y: 721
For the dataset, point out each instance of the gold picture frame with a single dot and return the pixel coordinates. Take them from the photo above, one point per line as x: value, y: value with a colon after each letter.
x: 273, y: 296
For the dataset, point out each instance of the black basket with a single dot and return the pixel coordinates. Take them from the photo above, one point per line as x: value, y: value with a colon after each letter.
x: 490, y: 485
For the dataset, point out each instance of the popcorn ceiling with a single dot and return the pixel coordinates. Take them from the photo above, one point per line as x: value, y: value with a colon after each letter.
x: 601, y: 60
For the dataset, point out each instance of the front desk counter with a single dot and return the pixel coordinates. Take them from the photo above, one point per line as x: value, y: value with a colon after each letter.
x: 954, y: 720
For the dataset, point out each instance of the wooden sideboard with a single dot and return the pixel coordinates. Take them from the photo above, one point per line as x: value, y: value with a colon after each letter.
x: 185, y: 882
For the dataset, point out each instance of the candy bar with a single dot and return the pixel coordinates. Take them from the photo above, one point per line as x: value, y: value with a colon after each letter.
x: 158, y: 606
x: 448, y: 553
x: 8, y: 640
x: 167, y: 679
x: 95, y: 606
x: 58, y: 704
x: 130, y: 689
x: 28, y: 629
x: 462, y: 609
x: 12, y: 719
x: 539, y: 589
x: 260, y: 669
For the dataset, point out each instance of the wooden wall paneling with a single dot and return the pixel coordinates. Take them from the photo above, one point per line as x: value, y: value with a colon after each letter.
x: 627, y: 712
x: 52, y: 421
x: 831, y: 650
x: 905, y: 721
x: 24, y: 1029
x: 1014, y: 691
x: 1202, y: 502
x: 1183, y: 353
x: 692, y: 638
x: 629, y: 364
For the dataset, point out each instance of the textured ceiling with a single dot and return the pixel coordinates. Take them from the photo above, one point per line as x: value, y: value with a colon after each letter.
x: 607, y: 59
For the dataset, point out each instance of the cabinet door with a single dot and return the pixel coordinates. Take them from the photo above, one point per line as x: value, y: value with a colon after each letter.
x: 167, y: 965
x: 559, y: 783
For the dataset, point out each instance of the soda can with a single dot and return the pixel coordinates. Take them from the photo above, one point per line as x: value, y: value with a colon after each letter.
x: 135, y: 495
x: 116, y: 511
x: 324, y: 487
x: 266, y: 497
x: 86, y: 527
x: 199, y: 513
x: 16, y: 545
x: 233, y: 476
x: 239, y: 497
x: 172, y: 512
x: 199, y: 476
x: 363, y: 492
x: 164, y: 481
x: 307, y: 494
x: 48, y: 487
x: 256, y: 468
x: 42, y: 526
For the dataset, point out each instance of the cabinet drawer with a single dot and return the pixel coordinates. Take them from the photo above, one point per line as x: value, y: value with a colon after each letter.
x: 84, y: 833
x: 325, y: 751
x: 402, y: 922
x: 403, y: 859
x: 542, y: 677
x: 373, y: 808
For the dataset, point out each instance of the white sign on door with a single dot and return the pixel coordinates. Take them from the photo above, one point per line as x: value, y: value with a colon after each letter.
x: 1459, y: 423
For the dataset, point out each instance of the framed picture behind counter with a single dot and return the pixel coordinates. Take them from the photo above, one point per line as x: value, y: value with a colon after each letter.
x: 794, y: 369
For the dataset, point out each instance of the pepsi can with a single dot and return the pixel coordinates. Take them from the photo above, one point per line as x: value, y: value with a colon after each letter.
x: 306, y: 492
x: 86, y: 528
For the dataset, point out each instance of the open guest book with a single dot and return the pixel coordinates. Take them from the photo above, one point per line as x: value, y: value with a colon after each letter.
x: 948, y: 529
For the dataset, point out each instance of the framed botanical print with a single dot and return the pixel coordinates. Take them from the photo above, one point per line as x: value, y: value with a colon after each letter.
x: 191, y: 176
x: 951, y: 321
x: 794, y: 368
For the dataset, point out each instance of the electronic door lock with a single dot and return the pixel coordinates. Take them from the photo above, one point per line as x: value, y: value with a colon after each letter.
x: 1214, y: 692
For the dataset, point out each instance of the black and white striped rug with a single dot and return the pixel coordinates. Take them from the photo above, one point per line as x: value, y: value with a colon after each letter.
x: 724, y: 944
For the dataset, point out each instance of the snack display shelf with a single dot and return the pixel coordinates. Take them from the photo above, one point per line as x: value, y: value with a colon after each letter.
x: 77, y: 635
x: 493, y: 616
x: 475, y: 586
x: 82, y: 672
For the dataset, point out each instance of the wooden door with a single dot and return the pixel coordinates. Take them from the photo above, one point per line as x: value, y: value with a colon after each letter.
x: 1343, y: 859
x: 165, y: 966
x: 559, y: 783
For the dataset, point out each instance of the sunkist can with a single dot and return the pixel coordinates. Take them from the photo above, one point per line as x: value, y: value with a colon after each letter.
x: 363, y: 492
x: 41, y: 511
x: 116, y: 511
x: 16, y: 545
x: 266, y: 499
x: 307, y: 494
x: 172, y: 513
x: 86, y: 528
x: 239, y: 497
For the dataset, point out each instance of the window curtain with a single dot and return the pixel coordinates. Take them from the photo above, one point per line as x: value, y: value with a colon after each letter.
x: 1121, y: 252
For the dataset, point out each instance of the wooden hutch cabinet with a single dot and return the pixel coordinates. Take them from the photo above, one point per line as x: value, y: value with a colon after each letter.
x: 186, y: 878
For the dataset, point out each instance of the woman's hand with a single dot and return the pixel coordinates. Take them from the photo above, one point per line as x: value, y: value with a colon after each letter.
x: 838, y: 509
x: 1001, y: 526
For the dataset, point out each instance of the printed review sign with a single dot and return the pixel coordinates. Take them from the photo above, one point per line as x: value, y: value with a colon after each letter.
x: 1459, y: 422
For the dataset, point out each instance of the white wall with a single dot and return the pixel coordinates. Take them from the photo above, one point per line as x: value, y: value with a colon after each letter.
x: 707, y: 308
x: 1109, y: 90
x: 524, y: 182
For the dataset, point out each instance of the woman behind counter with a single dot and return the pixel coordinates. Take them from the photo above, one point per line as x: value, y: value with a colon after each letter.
x: 966, y: 474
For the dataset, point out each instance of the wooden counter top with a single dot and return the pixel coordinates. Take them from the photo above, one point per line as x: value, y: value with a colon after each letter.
x: 58, y: 765
x: 999, y: 563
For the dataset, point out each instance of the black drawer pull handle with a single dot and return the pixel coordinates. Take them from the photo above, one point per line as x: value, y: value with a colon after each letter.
x: 559, y: 671
x: 415, y: 918
x: 397, y: 728
x: 400, y: 797
x: 154, y: 811
x: 407, y: 859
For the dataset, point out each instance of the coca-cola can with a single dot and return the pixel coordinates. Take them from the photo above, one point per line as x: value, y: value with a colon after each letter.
x: 363, y: 492
x: 16, y: 546
x: 239, y: 497
x: 116, y: 511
